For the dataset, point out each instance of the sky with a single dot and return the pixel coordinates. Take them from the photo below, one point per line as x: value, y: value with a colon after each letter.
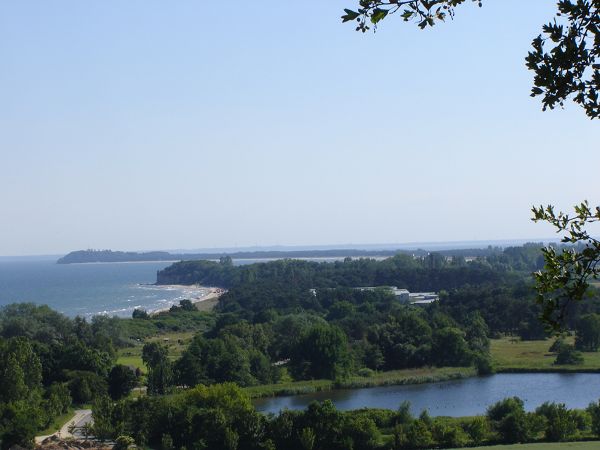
x: 150, y: 124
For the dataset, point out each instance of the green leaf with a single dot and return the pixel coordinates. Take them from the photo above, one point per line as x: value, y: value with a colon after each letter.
x: 378, y: 14
x: 536, y: 91
x: 350, y: 15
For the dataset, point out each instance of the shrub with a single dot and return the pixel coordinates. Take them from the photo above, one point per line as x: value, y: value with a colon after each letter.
x: 139, y: 314
x: 418, y: 435
x: 560, y: 423
x: 557, y: 345
x: 478, y: 429
x: 509, y: 419
x: 594, y: 412
x: 483, y: 364
x: 567, y: 355
x: 449, y: 435
x: 366, y: 372
x: 123, y: 442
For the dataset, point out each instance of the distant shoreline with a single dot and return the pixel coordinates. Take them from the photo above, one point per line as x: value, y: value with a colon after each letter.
x: 121, y: 262
x: 109, y: 256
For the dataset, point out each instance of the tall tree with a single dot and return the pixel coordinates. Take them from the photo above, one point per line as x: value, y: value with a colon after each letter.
x: 321, y: 353
x: 121, y: 380
x: 587, y: 331
x: 160, y: 370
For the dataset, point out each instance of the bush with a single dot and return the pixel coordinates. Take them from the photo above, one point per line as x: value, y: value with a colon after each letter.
x: 501, y: 409
x: 582, y: 419
x: 478, y: 429
x: 139, y: 314
x: 449, y: 435
x: 123, y: 442
x: 514, y: 428
x: 483, y: 364
x: 594, y: 412
x: 364, y: 433
x: 557, y: 345
x: 418, y: 435
x: 509, y: 419
x: 567, y: 355
x: 560, y: 423
x: 366, y: 372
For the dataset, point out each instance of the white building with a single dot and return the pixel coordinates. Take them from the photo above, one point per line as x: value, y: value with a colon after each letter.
x: 400, y: 294
x: 423, y: 298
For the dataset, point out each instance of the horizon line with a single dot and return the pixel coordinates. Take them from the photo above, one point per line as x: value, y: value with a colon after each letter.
x: 416, y: 245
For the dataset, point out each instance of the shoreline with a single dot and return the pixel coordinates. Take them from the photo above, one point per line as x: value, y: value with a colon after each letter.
x: 402, y: 377
x: 119, y: 262
x: 399, y: 377
x: 211, y: 293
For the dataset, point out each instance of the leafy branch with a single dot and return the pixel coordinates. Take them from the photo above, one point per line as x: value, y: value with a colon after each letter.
x: 567, y: 271
x: 424, y: 12
x: 565, y: 56
x: 571, y: 67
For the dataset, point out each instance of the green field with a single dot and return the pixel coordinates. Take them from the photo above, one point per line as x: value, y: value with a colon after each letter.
x: 207, y: 305
x: 590, y: 445
x: 508, y: 354
x: 513, y: 354
x: 176, y: 343
x: 393, y: 377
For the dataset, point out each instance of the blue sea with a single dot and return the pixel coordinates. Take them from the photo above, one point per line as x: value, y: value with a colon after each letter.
x: 113, y: 289
x: 89, y: 289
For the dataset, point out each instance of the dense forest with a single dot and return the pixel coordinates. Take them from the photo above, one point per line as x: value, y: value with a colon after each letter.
x: 284, y: 320
x: 432, y: 272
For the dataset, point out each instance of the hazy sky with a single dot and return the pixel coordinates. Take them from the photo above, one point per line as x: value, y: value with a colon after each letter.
x: 157, y: 124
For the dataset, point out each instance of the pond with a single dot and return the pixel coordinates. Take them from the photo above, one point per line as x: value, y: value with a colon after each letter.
x: 467, y: 397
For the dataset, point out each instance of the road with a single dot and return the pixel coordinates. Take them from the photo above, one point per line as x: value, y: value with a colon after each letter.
x: 79, y: 419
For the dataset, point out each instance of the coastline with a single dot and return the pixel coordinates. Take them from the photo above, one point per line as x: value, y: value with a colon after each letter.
x: 209, y: 293
x: 120, y: 262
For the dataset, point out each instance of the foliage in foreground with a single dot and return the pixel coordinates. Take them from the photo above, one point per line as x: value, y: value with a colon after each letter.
x: 222, y: 417
x: 565, y: 57
x: 568, y: 271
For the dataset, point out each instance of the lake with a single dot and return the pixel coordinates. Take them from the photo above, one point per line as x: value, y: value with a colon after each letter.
x: 457, y: 398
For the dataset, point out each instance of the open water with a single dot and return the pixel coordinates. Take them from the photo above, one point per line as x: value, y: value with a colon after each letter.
x: 88, y: 289
x: 467, y: 397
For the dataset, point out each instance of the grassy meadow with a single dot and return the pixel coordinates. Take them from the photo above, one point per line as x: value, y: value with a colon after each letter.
x: 176, y: 343
x: 509, y: 355
x: 512, y: 354
x: 393, y: 377
x: 58, y: 422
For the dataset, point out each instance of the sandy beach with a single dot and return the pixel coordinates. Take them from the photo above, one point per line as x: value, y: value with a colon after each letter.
x: 208, y: 293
